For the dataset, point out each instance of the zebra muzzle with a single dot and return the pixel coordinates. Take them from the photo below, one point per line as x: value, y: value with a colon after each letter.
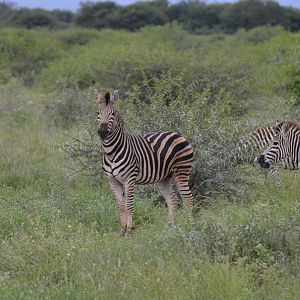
x: 263, y: 163
x: 103, y: 131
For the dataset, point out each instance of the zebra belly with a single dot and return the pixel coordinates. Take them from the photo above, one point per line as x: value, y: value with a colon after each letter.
x: 115, y: 174
x: 148, y: 177
x: 118, y: 177
x: 118, y: 172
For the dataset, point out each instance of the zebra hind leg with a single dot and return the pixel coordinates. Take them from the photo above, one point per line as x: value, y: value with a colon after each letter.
x: 170, y: 196
x: 182, y: 184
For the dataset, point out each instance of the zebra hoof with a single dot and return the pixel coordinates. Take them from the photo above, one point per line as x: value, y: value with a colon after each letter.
x: 129, y: 231
x: 122, y: 232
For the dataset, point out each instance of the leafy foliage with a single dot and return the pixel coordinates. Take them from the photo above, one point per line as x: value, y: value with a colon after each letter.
x: 23, y: 54
x: 194, y: 15
x: 57, y: 231
x: 206, y: 117
x: 124, y: 59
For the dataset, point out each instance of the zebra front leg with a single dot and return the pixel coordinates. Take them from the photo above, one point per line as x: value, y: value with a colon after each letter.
x: 263, y: 173
x: 118, y: 191
x: 129, y: 193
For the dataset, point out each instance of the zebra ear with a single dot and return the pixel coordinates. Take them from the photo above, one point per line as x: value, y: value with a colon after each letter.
x: 98, y: 96
x: 114, y: 96
x: 285, y: 127
x: 107, y: 98
x: 278, y: 126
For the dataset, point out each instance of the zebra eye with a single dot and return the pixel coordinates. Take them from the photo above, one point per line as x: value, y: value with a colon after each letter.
x: 113, y: 113
x: 276, y: 143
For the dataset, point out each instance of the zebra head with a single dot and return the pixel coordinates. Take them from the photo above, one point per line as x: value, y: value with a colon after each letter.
x: 106, y: 113
x: 279, y: 149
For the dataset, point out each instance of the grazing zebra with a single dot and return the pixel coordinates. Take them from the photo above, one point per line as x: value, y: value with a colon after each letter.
x: 285, y: 144
x: 259, y: 139
x: 164, y: 158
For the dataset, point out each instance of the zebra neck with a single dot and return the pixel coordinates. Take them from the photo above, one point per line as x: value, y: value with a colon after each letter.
x: 114, y: 142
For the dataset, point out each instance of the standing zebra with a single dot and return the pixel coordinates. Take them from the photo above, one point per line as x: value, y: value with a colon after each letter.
x: 162, y: 157
x: 247, y: 150
x: 285, y: 144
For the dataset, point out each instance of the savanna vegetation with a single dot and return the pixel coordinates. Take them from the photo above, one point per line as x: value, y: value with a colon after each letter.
x: 194, y: 15
x: 58, y: 220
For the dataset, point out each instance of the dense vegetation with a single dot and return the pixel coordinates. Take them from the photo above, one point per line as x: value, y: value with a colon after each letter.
x: 58, y: 226
x: 194, y: 15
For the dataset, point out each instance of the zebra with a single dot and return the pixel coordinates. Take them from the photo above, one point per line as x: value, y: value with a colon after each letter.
x: 164, y: 158
x: 285, y: 144
x: 247, y: 149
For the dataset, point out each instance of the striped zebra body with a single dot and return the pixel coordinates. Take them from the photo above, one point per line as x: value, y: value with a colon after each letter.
x: 285, y: 144
x: 164, y: 158
x: 248, y: 148
x: 139, y: 155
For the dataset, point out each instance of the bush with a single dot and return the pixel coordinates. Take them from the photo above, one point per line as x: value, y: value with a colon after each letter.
x: 120, y: 63
x: 31, y: 18
x: 259, y: 235
x: 141, y: 14
x: 204, y: 116
x: 76, y: 37
x: 96, y: 15
x: 66, y: 108
x: 258, y: 35
x: 25, y: 53
x: 293, y: 73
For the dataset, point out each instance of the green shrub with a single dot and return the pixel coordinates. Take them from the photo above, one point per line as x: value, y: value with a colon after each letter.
x: 66, y: 108
x: 76, y: 37
x: 259, y: 235
x: 104, y: 65
x: 258, y: 34
x: 25, y: 53
x: 31, y: 18
x: 206, y: 117
x: 293, y: 84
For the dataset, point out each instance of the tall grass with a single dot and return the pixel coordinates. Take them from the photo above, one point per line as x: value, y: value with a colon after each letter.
x: 58, y: 233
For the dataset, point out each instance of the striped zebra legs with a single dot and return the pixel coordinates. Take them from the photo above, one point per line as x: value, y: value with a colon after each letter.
x: 170, y: 196
x: 129, y: 193
x: 182, y: 184
x: 118, y: 191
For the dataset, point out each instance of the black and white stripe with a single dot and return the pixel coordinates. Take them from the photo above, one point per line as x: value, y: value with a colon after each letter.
x: 164, y: 158
x: 285, y: 144
x: 248, y: 148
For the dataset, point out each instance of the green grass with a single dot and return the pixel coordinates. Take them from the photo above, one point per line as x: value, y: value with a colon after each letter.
x: 58, y: 236
x: 59, y: 241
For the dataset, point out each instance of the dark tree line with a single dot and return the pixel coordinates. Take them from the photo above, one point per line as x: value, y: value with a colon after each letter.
x: 11, y: 16
x: 193, y: 15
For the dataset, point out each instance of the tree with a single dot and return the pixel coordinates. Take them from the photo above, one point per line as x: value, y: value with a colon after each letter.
x: 30, y: 18
x: 6, y: 12
x: 96, y: 15
x: 252, y: 13
x: 140, y: 14
x: 195, y: 14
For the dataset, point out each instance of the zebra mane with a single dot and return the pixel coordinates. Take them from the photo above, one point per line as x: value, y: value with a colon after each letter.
x: 289, y: 122
x: 293, y: 123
